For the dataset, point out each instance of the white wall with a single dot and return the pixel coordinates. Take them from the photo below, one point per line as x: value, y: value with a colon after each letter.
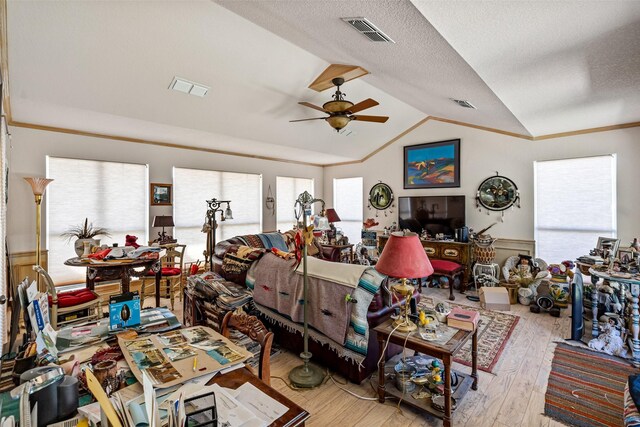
x: 29, y: 148
x: 483, y: 153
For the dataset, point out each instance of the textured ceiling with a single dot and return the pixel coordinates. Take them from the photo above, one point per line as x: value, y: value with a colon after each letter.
x: 531, y: 68
x: 557, y: 65
x: 105, y: 67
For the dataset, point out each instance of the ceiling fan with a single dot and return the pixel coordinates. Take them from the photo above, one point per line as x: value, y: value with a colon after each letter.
x: 341, y: 111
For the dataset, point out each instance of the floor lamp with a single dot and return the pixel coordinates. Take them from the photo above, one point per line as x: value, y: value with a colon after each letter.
x: 214, y: 206
x: 38, y: 186
x: 307, y: 375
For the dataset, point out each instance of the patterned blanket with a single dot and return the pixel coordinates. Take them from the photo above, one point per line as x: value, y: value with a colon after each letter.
x: 337, y: 314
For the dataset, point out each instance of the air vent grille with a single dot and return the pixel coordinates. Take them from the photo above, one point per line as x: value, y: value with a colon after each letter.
x: 367, y: 29
x: 186, y: 86
x: 463, y: 103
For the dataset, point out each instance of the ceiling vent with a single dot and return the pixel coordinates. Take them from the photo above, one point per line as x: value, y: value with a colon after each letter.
x: 463, y: 103
x: 186, y: 86
x: 366, y: 28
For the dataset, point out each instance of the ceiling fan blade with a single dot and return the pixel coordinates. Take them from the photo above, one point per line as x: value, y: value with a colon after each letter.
x: 377, y: 119
x: 367, y: 103
x: 304, y: 120
x: 315, y: 107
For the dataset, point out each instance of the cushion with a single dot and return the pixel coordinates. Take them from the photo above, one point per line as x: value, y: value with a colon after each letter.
x: 166, y: 271
x: 69, y: 299
x: 443, y: 266
x: 233, y: 264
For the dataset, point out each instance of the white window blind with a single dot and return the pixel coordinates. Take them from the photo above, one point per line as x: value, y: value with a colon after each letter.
x: 192, y: 187
x: 347, y: 201
x: 575, y: 203
x: 111, y: 195
x: 287, y: 191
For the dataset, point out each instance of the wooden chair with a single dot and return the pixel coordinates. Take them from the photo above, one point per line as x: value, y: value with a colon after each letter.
x: 172, y: 272
x: 256, y: 331
x: 69, y: 302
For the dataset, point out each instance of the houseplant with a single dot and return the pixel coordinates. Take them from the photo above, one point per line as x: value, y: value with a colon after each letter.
x: 83, y: 233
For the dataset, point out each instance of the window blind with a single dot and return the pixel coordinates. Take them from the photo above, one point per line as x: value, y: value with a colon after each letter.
x: 287, y: 191
x: 192, y: 187
x: 111, y: 195
x: 347, y: 201
x: 575, y: 203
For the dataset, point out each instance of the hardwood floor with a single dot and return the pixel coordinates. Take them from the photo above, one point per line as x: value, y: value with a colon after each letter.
x: 512, y: 396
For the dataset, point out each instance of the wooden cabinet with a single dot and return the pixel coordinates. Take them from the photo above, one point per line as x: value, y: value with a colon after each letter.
x: 462, y: 253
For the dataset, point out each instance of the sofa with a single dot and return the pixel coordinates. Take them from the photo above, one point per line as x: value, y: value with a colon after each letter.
x: 264, y: 270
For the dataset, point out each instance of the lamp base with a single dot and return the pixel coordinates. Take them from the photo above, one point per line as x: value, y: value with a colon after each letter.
x: 403, y: 325
x: 306, y: 376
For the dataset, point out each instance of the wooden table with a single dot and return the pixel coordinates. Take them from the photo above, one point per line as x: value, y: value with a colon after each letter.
x: 118, y: 270
x: 443, y: 352
x: 295, y: 416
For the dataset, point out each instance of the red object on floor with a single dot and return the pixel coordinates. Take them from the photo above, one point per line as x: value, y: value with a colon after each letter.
x: 71, y: 298
x: 167, y: 271
x: 444, y: 267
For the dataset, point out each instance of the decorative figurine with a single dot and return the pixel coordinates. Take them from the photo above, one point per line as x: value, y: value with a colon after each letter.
x: 609, y: 341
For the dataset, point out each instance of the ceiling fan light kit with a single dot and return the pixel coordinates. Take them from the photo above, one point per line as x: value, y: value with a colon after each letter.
x: 341, y: 111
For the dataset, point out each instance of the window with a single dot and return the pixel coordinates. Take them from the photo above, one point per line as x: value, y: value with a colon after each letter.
x: 287, y: 192
x: 347, y: 201
x: 575, y: 203
x: 110, y: 195
x: 192, y: 187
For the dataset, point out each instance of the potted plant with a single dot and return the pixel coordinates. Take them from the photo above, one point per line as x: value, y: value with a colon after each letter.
x: 84, y: 232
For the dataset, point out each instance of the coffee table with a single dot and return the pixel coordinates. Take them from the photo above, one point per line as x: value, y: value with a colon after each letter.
x: 442, y: 351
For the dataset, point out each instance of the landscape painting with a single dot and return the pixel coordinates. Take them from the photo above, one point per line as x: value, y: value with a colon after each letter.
x: 432, y: 165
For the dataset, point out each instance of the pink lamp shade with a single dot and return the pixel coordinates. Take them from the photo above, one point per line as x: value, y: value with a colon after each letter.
x: 403, y: 257
x: 332, y: 215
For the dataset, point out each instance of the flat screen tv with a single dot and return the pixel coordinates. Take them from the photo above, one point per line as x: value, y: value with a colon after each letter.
x: 436, y: 214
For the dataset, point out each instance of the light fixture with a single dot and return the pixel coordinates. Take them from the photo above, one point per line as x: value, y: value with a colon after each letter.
x: 332, y: 216
x: 339, y: 121
x: 163, y: 221
x: 210, y: 225
x: 404, y: 259
x: 307, y: 375
x: 38, y: 186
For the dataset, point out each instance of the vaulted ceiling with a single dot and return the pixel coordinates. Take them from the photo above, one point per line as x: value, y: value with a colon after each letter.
x: 531, y: 68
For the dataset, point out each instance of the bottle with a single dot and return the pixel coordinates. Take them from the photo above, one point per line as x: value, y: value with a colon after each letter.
x: 635, y: 244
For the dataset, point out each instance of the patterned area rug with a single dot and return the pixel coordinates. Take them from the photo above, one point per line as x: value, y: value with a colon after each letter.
x: 586, y: 388
x: 494, y: 331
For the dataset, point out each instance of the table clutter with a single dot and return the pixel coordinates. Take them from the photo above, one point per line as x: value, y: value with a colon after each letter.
x: 139, y: 368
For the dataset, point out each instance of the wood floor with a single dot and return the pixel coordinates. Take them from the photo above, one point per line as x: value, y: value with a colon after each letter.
x: 512, y: 396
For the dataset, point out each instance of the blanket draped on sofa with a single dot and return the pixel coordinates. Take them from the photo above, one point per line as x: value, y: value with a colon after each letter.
x: 342, y: 325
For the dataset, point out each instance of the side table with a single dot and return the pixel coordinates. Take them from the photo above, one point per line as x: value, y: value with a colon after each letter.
x: 441, y: 351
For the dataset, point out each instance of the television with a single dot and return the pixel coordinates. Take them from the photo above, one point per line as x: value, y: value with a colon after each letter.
x: 436, y: 214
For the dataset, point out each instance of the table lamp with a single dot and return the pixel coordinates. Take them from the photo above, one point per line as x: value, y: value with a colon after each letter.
x: 163, y: 221
x: 404, y: 258
x: 332, y: 216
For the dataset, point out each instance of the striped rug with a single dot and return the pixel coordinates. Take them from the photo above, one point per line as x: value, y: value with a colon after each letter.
x: 586, y: 388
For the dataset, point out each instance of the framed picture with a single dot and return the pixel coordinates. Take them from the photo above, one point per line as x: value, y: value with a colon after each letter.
x: 608, y: 246
x: 160, y: 194
x: 432, y: 165
x: 380, y: 196
x: 625, y: 254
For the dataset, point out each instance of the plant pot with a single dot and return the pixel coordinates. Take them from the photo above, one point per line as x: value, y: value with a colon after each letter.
x: 78, y: 245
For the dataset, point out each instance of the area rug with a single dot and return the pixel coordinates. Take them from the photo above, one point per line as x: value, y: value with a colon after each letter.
x: 494, y: 331
x: 586, y: 388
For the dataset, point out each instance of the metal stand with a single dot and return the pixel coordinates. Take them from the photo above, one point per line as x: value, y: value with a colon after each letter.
x: 306, y: 375
x: 214, y: 206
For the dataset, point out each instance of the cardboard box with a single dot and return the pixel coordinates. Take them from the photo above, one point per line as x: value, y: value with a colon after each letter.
x: 494, y: 298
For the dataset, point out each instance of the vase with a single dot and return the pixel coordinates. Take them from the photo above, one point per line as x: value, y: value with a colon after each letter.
x: 484, y: 250
x: 78, y: 245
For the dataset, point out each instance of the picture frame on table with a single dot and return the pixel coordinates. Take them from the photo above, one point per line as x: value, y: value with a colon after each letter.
x: 161, y: 194
x: 432, y: 165
x: 613, y: 244
x: 625, y: 254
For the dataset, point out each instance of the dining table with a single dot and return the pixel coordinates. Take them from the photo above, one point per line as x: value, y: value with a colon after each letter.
x: 627, y: 282
x: 121, y: 269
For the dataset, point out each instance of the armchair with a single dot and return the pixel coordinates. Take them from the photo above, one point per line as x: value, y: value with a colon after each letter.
x: 541, y: 276
x: 70, y: 302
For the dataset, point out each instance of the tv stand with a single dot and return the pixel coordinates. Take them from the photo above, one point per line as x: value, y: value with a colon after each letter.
x: 459, y: 252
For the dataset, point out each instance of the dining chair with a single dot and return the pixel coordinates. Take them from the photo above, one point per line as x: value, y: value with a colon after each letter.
x: 76, y: 301
x: 172, y: 273
x: 253, y: 328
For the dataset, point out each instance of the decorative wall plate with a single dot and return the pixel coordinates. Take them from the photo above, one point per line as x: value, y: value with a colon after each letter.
x: 380, y: 196
x: 497, y: 193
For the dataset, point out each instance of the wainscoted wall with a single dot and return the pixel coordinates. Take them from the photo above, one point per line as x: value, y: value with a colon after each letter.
x: 483, y: 153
